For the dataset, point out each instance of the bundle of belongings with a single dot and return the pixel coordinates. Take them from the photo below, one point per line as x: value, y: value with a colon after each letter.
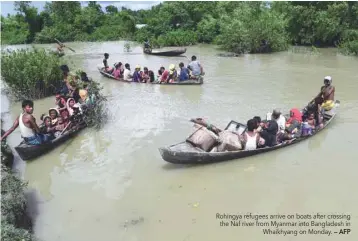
x: 208, y: 140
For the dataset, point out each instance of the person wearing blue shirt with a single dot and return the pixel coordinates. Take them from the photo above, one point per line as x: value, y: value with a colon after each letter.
x: 184, y: 72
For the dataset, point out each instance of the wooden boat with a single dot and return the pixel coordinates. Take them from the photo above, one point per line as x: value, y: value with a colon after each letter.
x: 28, y: 152
x: 198, y: 81
x: 185, y: 153
x: 168, y: 53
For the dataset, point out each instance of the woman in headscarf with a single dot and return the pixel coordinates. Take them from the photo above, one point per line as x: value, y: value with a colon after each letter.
x: 293, y: 125
x: 70, y: 103
x: 172, y: 74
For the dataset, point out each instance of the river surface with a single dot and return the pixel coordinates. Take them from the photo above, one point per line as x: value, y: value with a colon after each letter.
x: 113, y: 185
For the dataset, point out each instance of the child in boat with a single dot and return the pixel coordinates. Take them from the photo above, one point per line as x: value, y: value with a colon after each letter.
x: 65, y: 117
x: 53, y: 113
x: 45, y: 127
x: 306, y: 129
x: 311, y: 120
x: 59, y: 127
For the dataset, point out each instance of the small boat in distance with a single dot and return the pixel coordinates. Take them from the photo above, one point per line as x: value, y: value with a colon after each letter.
x: 168, y: 53
x: 186, y: 153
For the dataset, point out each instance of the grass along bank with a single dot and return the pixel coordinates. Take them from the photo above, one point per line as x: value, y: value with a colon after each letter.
x: 16, y: 224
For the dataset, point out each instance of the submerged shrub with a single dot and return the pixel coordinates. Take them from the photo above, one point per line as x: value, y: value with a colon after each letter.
x: 30, y: 73
x: 97, y: 114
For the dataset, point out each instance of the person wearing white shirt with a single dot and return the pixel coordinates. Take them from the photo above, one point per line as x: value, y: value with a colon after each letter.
x: 279, y: 118
x: 127, y: 76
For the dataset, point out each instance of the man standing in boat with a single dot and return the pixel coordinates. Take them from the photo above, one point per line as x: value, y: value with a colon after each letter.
x: 28, y: 127
x: 60, y: 48
x: 327, y: 94
x: 147, y: 47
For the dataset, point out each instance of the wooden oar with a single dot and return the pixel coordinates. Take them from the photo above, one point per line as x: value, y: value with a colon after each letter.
x: 64, y: 45
x: 65, y: 128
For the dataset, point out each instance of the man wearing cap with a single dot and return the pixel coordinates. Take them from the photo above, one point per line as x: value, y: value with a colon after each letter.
x: 327, y: 94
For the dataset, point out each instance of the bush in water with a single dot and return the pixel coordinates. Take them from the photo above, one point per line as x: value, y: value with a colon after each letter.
x: 97, y: 114
x: 31, y: 73
x: 15, y: 223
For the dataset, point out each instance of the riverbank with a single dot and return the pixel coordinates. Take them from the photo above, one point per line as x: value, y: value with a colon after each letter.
x: 16, y: 223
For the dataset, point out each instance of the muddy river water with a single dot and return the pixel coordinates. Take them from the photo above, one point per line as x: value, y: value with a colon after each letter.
x: 113, y: 185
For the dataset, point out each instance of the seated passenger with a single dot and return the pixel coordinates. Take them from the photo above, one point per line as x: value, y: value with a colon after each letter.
x: 53, y: 113
x: 46, y: 127
x: 293, y: 124
x: 136, y: 75
x: 127, y: 76
x: 311, y: 120
x: 59, y: 127
x: 258, y: 123
x: 151, y: 76
x: 172, y: 74
x: 195, y: 67
x: 60, y: 101
x: 145, y: 75
x: 165, y: 75
x: 70, y: 103
x: 306, y: 129
x: 269, y: 132
x: 250, y: 137
x: 280, y: 119
x: 117, y: 72
x: 65, y: 117
x: 184, y: 72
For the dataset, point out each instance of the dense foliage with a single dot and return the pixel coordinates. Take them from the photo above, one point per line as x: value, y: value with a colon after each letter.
x: 247, y: 27
x: 31, y: 73
x: 15, y: 223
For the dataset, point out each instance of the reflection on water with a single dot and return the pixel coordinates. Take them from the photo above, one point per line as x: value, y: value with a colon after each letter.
x: 99, y: 181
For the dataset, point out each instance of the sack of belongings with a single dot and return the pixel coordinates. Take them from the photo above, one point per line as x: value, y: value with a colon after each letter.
x: 203, y: 138
x: 229, y: 142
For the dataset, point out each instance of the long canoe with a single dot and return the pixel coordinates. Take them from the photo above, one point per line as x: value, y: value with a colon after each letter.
x: 169, y: 53
x: 28, y: 152
x: 198, y: 81
x: 185, y: 153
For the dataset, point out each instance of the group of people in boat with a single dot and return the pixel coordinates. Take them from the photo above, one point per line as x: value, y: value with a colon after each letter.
x: 173, y: 74
x: 71, y: 101
x: 277, y: 129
